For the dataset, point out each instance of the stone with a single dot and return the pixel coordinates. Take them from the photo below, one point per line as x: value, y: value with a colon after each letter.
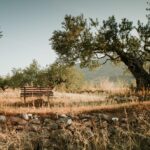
x: 62, y: 120
x: 115, y: 119
x: 25, y: 116
x: 17, y: 121
x: 85, y: 120
x: 34, y: 128
x: 84, y: 116
x: 35, y: 121
x: 54, y: 126
x: 2, y: 119
x: 47, y: 121
x: 63, y: 116
x: 35, y: 117
x: 30, y: 116
x: 105, y: 117
x: 69, y: 121
x: 51, y: 124
x: 19, y: 128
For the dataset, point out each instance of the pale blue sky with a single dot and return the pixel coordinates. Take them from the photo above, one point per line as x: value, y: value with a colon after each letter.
x: 28, y: 24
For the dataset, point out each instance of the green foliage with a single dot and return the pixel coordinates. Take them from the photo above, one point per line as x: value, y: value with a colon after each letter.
x: 86, y: 42
x: 4, y: 82
x: 56, y: 75
x: 77, y: 41
x: 17, y: 78
x: 65, y: 77
x: 26, y: 77
x: 30, y: 73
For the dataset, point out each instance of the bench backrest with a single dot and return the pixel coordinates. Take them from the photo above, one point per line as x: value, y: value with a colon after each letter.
x: 36, y: 91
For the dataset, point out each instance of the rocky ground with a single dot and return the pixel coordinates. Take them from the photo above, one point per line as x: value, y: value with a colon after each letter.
x: 123, y: 129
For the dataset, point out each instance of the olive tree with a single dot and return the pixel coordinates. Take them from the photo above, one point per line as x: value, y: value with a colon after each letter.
x: 87, y: 41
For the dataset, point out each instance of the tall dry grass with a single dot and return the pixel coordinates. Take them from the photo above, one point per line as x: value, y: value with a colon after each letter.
x: 10, y: 100
x: 106, y: 85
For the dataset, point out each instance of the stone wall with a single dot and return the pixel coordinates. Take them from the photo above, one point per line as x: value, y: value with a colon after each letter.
x: 89, y: 131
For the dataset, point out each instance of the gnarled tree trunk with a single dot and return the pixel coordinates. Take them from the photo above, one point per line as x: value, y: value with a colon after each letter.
x: 136, y: 68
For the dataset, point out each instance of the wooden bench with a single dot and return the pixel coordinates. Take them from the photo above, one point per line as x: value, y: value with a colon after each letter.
x: 36, y: 92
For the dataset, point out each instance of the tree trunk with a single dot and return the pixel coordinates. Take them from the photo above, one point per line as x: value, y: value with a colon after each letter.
x: 136, y: 68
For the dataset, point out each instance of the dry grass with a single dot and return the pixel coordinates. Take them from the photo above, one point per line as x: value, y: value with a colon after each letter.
x: 105, y: 135
x: 74, y: 110
x: 74, y: 104
x: 10, y: 102
x: 106, y: 85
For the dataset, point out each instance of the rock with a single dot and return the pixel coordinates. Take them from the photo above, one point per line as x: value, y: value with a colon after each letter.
x: 17, y: 121
x: 47, y: 121
x: 84, y: 116
x: 63, y: 116
x: 62, y: 120
x: 35, y: 117
x: 34, y: 127
x: 25, y: 116
x: 30, y: 116
x: 2, y: 119
x: 54, y: 126
x: 105, y: 117
x: 85, y: 120
x: 69, y: 122
x: 19, y: 128
x: 115, y: 119
x: 35, y: 121
x: 51, y: 124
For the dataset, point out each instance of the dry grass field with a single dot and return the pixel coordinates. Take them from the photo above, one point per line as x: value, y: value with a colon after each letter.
x: 61, y: 102
x: 94, y: 119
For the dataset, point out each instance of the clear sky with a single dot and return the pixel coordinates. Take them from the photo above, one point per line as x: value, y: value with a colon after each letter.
x: 27, y: 25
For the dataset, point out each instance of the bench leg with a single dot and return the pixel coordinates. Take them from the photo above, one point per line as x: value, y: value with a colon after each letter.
x: 24, y: 99
x: 48, y: 101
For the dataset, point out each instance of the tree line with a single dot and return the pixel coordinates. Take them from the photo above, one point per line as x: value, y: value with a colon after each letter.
x: 55, y: 76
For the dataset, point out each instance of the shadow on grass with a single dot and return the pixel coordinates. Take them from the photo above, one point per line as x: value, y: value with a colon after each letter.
x: 42, y: 103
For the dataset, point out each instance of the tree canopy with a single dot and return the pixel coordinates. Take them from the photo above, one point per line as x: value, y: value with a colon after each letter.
x: 65, y: 77
x: 86, y: 41
x: 55, y: 75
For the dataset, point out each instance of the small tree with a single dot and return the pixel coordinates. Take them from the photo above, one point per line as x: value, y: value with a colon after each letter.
x: 4, y: 83
x: 27, y: 76
x: 64, y: 76
x: 30, y: 73
x: 17, y: 79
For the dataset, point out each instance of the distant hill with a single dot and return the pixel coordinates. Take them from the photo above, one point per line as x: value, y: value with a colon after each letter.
x: 109, y: 70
